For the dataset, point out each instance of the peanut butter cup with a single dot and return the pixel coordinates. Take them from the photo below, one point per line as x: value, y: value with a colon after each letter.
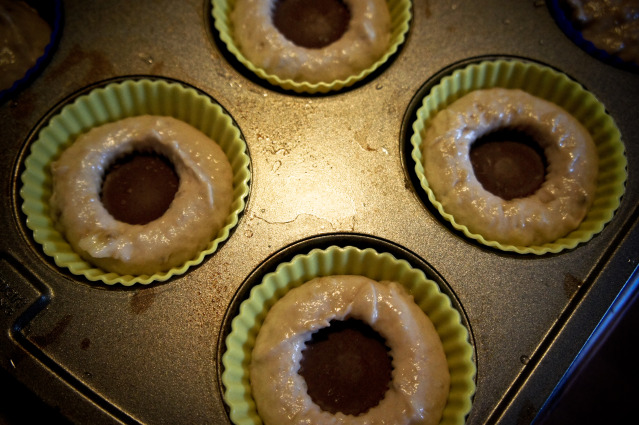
x: 508, y: 163
x: 139, y: 187
x: 311, y: 24
x: 347, y: 367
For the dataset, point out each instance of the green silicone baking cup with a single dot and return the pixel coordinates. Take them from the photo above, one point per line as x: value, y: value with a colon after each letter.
x: 113, y: 102
x: 556, y: 87
x: 400, y: 12
x: 346, y: 261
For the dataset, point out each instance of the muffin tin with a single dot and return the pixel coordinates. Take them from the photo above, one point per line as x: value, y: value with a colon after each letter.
x: 326, y: 170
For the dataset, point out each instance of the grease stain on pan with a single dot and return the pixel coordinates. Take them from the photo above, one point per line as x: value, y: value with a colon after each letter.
x: 52, y: 336
x: 142, y: 300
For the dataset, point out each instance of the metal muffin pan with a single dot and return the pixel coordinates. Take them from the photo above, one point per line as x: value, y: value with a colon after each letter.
x: 326, y: 169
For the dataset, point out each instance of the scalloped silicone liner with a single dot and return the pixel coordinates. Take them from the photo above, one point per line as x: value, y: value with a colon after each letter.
x: 556, y: 87
x: 400, y: 11
x: 354, y: 261
x: 111, y: 103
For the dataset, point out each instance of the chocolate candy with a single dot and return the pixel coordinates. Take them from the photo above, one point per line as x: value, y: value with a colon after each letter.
x: 139, y: 188
x: 312, y: 24
x: 508, y: 163
x: 347, y: 367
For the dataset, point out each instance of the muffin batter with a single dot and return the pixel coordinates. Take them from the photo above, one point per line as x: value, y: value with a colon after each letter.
x: 23, y: 37
x: 611, y: 25
x: 193, y: 218
x: 420, y: 379
x: 361, y: 45
x: 557, y: 207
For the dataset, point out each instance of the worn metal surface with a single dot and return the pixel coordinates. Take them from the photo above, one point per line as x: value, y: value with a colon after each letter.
x: 325, y: 169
